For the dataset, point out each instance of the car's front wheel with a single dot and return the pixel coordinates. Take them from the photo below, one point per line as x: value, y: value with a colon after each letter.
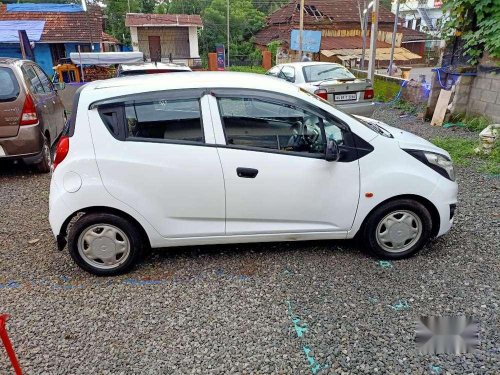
x: 104, y: 244
x: 397, y: 229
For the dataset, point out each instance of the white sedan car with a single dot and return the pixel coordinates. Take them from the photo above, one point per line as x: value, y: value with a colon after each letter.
x: 214, y: 158
x: 332, y: 82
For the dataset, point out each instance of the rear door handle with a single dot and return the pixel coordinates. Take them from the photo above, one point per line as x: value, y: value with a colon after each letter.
x: 246, y: 172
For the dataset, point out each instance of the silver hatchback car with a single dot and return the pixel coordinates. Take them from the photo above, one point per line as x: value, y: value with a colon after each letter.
x: 332, y: 82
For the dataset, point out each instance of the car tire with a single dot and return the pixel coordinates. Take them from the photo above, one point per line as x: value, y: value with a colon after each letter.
x: 105, y: 244
x: 44, y: 165
x: 397, y: 229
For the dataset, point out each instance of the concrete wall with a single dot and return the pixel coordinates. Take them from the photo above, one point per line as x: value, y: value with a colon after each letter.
x: 484, y: 97
x: 473, y: 95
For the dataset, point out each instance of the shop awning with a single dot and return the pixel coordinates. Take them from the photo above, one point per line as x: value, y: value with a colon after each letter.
x: 106, y: 58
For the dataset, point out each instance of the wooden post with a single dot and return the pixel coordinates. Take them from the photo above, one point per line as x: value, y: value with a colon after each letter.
x: 212, y: 61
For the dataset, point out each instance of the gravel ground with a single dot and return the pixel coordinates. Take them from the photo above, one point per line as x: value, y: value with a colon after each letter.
x: 294, y: 308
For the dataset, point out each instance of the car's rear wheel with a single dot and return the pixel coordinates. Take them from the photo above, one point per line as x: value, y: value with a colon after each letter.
x: 397, y: 229
x: 44, y: 165
x: 104, y: 244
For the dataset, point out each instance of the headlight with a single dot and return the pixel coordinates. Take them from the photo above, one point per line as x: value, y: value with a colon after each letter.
x: 440, y: 163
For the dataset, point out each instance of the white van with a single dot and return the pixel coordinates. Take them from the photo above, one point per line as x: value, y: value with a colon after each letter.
x: 215, y: 158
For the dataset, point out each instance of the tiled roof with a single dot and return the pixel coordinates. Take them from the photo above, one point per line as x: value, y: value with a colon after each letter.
x: 324, y: 12
x: 63, y: 27
x: 142, y: 19
x: 109, y: 38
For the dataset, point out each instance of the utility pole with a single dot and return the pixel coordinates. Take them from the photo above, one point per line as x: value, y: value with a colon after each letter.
x: 373, y: 41
x: 227, y: 33
x: 301, y: 28
x: 394, y: 37
x: 363, y: 52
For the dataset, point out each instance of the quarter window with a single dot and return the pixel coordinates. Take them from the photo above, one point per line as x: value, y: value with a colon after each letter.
x: 177, y: 120
x: 277, y: 126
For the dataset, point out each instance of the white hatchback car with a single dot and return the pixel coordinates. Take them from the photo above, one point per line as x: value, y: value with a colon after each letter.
x: 213, y: 158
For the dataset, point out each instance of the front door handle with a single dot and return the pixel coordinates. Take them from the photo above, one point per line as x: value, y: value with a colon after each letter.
x: 246, y: 172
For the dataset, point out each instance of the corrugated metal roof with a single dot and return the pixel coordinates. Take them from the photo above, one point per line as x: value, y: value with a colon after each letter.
x: 331, y: 42
x: 324, y: 11
x: 143, y: 19
x: 381, y: 54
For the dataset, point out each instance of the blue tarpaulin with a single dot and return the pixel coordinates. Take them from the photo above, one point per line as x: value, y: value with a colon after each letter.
x: 63, y: 8
x: 9, y: 30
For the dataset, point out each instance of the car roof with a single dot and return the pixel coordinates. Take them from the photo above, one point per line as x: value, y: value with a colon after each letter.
x: 172, y: 81
x: 309, y: 63
x: 152, y: 66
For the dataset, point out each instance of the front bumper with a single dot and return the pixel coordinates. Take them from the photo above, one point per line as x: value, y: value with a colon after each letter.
x: 362, y: 109
x: 445, y: 200
x: 27, y: 144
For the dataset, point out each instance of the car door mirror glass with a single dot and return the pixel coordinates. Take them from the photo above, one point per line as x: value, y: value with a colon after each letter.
x: 332, y: 150
x: 58, y: 86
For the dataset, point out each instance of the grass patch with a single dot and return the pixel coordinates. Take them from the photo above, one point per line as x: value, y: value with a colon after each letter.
x: 409, y: 108
x: 462, y: 152
x: 385, y: 90
x: 473, y: 123
x: 247, y: 69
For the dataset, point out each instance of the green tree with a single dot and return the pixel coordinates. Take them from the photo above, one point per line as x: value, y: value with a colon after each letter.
x: 477, y: 22
x: 181, y: 6
x: 244, y: 22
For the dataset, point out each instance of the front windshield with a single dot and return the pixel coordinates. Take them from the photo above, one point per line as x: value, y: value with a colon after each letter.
x: 326, y: 72
x: 372, y: 126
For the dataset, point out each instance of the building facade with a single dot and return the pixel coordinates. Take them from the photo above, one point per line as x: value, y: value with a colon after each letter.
x: 166, y: 37
x: 54, y: 30
x: 341, y: 33
x: 421, y: 15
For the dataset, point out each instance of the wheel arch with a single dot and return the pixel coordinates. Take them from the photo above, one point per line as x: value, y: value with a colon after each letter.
x: 433, y: 211
x: 61, y: 238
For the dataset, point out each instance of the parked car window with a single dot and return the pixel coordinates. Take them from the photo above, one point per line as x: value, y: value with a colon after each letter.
x: 47, y: 85
x: 288, y: 73
x: 32, y: 80
x: 9, y: 88
x: 178, y: 120
x: 326, y: 72
x: 274, y: 71
x: 277, y: 126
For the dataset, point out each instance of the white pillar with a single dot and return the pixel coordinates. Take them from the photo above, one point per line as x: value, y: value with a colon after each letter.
x: 134, y: 38
x: 193, y: 42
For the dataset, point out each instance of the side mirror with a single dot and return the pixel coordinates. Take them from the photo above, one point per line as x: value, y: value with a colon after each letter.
x: 332, y: 151
x: 58, y: 86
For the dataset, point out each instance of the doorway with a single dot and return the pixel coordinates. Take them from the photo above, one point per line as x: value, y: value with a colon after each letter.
x: 154, y: 48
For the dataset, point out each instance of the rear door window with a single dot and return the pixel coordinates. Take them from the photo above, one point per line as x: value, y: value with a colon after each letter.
x: 164, y: 119
x: 9, y: 88
x: 32, y: 81
x: 46, y: 84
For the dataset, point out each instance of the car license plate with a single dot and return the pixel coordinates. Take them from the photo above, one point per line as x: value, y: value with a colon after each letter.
x: 2, y: 152
x: 342, y: 97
